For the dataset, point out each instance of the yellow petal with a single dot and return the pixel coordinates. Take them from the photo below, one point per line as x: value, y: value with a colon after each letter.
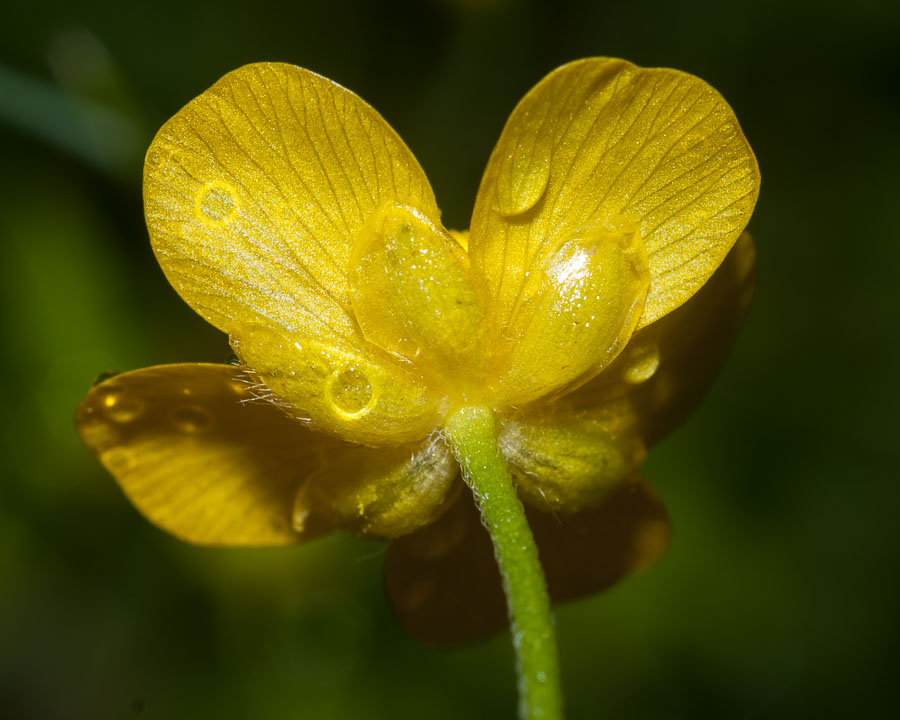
x: 365, y: 399
x: 668, y: 366
x: 412, y: 296
x: 443, y: 582
x: 385, y: 492
x: 200, y: 456
x: 573, y: 319
x: 255, y: 191
x: 599, y: 147
x: 565, y: 465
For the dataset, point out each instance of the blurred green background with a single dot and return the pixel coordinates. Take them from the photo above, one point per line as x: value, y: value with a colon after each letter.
x: 778, y: 597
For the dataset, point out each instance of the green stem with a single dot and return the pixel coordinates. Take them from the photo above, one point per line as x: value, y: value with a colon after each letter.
x: 473, y: 437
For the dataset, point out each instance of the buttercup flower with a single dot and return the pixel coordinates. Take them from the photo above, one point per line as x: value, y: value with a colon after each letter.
x: 598, y: 288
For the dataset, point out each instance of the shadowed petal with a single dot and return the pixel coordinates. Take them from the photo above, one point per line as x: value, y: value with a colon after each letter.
x: 443, y: 581
x: 384, y: 492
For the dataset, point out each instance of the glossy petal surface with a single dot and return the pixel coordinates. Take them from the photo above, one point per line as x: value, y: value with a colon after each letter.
x: 365, y: 398
x: 601, y: 146
x: 254, y: 193
x: 412, y: 296
x: 667, y: 367
x: 574, y: 319
x: 443, y: 581
x: 201, y: 457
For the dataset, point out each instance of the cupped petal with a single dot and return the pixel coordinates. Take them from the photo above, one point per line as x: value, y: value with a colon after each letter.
x: 255, y: 194
x: 568, y: 463
x: 201, y: 456
x: 573, y: 320
x: 443, y: 581
x: 601, y: 148
x: 385, y: 493
x: 366, y: 398
x: 412, y: 296
x: 668, y: 366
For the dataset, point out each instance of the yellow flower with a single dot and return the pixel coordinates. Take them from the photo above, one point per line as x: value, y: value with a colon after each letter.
x: 583, y: 307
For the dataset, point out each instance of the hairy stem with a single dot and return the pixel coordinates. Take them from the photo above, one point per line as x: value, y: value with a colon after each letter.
x: 472, y: 435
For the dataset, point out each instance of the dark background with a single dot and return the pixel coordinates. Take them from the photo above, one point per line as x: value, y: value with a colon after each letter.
x: 778, y: 597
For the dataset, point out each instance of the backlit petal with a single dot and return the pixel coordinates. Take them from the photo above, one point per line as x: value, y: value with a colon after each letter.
x: 443, y: 581
x: 598, y: 148
x: 255, y: 193
x: 255, y: 190
x: 200, y: 456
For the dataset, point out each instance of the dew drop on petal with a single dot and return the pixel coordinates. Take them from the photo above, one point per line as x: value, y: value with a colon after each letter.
x: 350, y: 392
x: 216, y: 204
x: 117, y: 459
x: 121, y: 407
x: 524, y: 179
x: 99, y: 434
x: 642, y: 366
x: 192, y: 419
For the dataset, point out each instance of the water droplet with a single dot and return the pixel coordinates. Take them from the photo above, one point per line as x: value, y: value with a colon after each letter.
x: 642, y: 366
x: 523, y: 180
x: 350, y: 393
x: 117, y: 459
x: 192, y: 419
x: 153, y: 158
x: 216, y: 204
x: 99, y: 435
x: 119, y: 406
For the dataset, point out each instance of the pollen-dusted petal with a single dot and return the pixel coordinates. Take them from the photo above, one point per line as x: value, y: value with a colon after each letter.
x: 367, y: 399
x: 412, y: 296
x: 576, y: 312
x: 200, y: 456
x: 443, y: 581
x: 256, y: 189
x: 668, y: 366
x: 570, y: 465
x: 385, y: 492
x: 600, y: 142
